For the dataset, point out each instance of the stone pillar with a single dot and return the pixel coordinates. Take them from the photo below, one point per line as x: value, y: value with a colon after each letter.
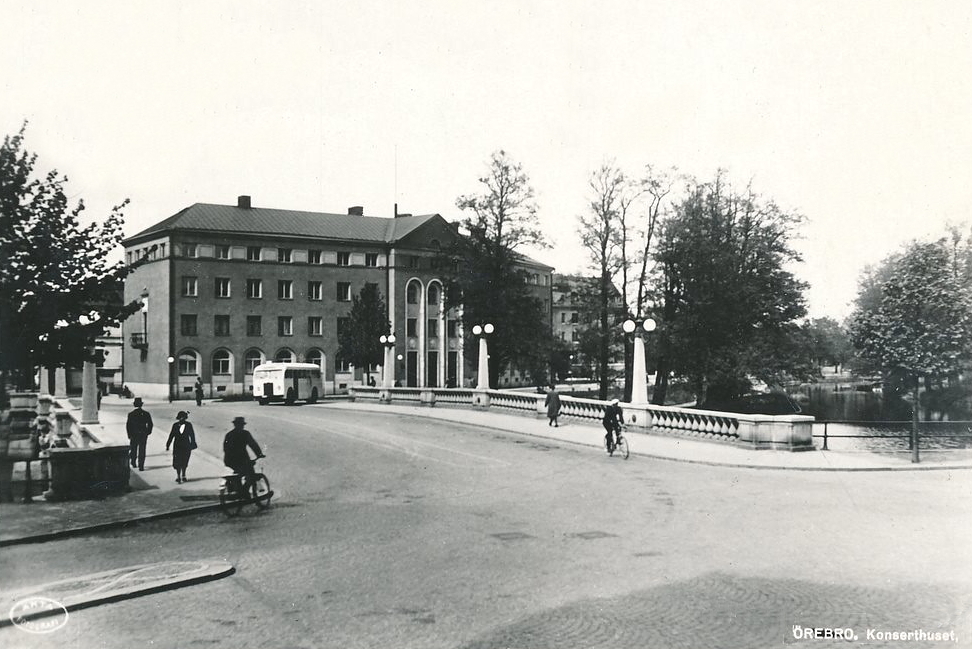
x: 388, y: 368
x: 63, y: 425
x: 60, y: 383
x: 482, y: 382
x: 89, y: 394
x: 639, y: 379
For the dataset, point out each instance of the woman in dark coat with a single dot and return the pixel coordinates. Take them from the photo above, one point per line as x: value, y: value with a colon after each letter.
x: 182, y: 439
x: 553, y: 406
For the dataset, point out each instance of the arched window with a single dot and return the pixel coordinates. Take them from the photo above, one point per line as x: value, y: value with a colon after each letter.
x: 284, y: 356
x: 222, y: 362
x: 251, y: 359
x: 188, y: 363
x: 433, y: 294
x: 316, y: 357
x: 412, y: 293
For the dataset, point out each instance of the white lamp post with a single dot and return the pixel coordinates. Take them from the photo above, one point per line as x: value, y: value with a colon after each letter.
x: 639, y: 378
x: 388, y: 364
x: 482, y: 331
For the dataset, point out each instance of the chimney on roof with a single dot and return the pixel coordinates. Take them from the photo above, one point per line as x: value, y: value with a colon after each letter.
x: 243, y: 202
x: 356, y: 210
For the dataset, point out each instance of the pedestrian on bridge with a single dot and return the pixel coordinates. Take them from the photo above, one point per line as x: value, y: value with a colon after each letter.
x: 553, y: 406
x: 138, y: 427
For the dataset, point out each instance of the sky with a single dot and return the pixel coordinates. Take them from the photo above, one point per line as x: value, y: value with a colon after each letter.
x: 857, y: 115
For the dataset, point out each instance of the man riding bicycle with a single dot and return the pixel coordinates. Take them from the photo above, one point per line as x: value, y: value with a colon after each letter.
x: 235, y: 455
x: 613, y: 420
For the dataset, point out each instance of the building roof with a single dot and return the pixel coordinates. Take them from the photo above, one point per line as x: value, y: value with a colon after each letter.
x: 208, y: 217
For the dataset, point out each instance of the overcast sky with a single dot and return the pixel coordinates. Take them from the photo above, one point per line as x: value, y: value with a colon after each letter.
x: 856, y: 114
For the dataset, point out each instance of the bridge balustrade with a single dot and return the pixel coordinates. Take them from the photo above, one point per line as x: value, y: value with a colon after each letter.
x: 791, y: 432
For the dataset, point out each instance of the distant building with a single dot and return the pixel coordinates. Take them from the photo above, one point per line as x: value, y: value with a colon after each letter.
x: 228, y: 287
x: 574, y: 308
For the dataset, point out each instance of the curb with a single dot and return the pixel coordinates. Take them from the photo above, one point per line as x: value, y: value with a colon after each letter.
x: 42, y: 606
x: 100, y: 527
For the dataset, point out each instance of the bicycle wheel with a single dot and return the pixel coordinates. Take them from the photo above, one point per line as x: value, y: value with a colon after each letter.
x: 229, y: 500
x: 623, y: 446
x: 261, y: 491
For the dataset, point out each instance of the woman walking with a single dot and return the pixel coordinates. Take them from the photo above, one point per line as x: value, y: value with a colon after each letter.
x: 553, y: 406
x: 182, y: 439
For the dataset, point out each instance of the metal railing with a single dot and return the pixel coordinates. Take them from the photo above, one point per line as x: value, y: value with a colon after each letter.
x: 962, y: 430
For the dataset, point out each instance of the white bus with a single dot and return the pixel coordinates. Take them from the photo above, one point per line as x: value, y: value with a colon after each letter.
x: 287, y: 382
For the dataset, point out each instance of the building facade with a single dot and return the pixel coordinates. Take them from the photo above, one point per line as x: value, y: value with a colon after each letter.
x: 574, y: 310
x: 227, y: 287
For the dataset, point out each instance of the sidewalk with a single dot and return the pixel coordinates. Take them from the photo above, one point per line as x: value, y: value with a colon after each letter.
x: 667, y: 447
x: 155, y: 494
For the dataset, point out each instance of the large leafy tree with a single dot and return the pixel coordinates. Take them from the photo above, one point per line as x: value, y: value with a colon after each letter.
x: 359, y: 340
x: 488, y: 281
x: 728, y: 299
x: 914, y: 314
x: 59, y: 286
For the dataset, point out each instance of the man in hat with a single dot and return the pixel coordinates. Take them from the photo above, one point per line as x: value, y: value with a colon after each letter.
x: 235, y: 455
x: 613, y: 420
x: 139, y: 427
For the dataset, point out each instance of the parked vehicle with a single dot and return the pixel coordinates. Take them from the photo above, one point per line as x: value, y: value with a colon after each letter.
x: 287, y: 382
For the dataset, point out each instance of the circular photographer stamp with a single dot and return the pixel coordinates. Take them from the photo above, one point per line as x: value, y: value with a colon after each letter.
x: 38, y: 614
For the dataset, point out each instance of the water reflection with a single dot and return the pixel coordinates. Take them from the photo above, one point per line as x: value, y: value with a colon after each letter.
x: 881, y: 421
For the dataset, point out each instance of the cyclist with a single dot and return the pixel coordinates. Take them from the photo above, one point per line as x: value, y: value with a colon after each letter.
x: 235, y: 455
x: 613, y: 419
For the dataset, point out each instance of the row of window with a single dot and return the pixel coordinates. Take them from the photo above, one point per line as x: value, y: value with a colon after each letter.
x: 281, y: 255
x: 223, y: 288
x: 189, y: 326
x: 222, y: 361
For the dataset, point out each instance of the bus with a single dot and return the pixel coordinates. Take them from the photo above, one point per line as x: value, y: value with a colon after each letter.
x: 287, y: 382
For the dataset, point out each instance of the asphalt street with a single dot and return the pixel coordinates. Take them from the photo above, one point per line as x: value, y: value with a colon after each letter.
x: 399, y: 531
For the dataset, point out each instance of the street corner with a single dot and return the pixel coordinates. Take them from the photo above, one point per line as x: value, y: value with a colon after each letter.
x: 46, y: 608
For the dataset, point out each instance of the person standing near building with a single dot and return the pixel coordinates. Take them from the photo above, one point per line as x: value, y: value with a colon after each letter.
x: 138, y: 427
x: 199, y: 391
x: 182, y: 439
x: 553, y: 406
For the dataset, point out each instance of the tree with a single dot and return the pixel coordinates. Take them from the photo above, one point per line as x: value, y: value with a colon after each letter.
x: 488, y: 280
x: 359, y: 340
x: 829, y: 342
x: 602, y: 233
x: 726, y: 295
x: 918, y: 318
x: 58, y: 284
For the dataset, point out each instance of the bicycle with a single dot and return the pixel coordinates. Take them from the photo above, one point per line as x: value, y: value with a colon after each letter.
x: 236, y: 491
x: 620, y: 445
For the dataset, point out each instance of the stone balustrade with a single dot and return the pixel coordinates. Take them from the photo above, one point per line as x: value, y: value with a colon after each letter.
x: 785, y: 432
x: 45, y: 432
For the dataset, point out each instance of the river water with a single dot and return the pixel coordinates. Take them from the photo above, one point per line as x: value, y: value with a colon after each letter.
x: 875, y: 422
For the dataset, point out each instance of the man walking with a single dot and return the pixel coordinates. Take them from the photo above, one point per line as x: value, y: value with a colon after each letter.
x: 139, y: 427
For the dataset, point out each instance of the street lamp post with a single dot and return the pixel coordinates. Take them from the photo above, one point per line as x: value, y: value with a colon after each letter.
x: 639, y: 378
x: 388, y: 364
x: 171, y: 362
x: 482, y: 382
